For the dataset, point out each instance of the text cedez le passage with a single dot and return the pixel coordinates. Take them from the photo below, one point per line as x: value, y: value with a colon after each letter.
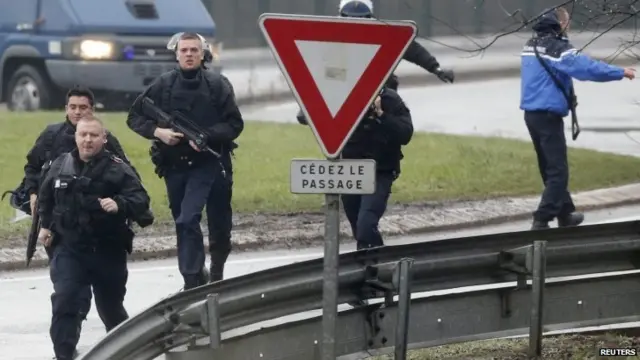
x: 332, y: 169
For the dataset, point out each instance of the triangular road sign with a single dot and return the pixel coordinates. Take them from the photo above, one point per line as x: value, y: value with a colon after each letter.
x: 335, y: 67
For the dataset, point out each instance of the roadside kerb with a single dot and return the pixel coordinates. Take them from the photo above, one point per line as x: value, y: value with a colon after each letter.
x: 470, y: 215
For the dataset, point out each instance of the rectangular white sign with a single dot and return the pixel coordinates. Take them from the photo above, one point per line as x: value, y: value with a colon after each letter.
x: 343, y: 176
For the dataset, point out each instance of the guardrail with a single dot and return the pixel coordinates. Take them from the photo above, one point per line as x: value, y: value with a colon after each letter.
x: 226, y: 319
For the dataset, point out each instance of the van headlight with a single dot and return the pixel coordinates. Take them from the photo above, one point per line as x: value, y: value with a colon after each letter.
x: 94, y: 50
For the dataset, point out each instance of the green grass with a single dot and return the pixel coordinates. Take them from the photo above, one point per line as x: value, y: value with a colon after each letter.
x: 574, y: 347
x: 436, y: 167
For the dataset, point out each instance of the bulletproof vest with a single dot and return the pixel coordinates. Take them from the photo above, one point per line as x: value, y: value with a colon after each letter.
x: 77, y: 188
x: 191, y: 97
x: 366, y: 141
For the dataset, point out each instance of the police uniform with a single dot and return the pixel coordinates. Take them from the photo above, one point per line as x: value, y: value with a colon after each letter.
x: 195, y: 179
x: 381, y: 139
x: 57, y: 139
x: 90, y: 246
x: 546, y: 103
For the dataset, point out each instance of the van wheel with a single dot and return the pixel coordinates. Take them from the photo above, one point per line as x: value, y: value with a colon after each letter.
x: 28, y: 90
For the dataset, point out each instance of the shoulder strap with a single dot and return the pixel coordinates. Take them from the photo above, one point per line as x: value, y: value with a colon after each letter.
x: 50, y: 138
x: 166, y: 82
x: 67, y: 167
x: 217, y: 79
x: 102, y: 166
x: 116, y: 159
x: 568, y: 95
x: 117, y: 151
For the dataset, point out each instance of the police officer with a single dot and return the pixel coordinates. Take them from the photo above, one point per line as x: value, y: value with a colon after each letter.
x: 380, y: 136
x: 58, y: 138
x: 549, y: 62
x: 194, y: 179
x: 87, y: 196
x: 415, y: 53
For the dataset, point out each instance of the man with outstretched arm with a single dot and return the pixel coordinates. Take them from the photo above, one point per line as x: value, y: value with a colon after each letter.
x: 549, y: 62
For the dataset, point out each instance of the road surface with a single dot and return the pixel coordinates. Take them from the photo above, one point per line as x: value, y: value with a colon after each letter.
x: 491, y: 108
x: 26, y: 311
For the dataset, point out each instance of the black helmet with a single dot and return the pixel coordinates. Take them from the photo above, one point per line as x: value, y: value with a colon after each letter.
x: 356, y: 8
x: 19, y: 199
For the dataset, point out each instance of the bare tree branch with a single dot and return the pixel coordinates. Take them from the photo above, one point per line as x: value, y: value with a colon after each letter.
x: 599, y: 17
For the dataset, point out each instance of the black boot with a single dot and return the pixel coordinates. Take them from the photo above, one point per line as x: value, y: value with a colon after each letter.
x: 539, y: 225
x: 75, y: 355
x: 573, y: 219
x: 193, y: 281
x: 216, y: 270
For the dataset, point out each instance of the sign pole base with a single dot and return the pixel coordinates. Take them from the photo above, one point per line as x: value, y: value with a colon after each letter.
x: 330, y: 276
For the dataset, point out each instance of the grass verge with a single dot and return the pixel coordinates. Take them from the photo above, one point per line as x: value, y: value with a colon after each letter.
x: 574, y: 347
x: 436, y: 167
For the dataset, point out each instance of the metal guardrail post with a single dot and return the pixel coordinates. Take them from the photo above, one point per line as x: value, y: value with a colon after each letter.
x: 402, y: 279
x: 213, y: 321
x: 330, y: 276
x: 538, y: 273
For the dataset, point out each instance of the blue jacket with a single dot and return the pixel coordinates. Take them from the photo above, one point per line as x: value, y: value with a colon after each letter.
x: 538, y: 91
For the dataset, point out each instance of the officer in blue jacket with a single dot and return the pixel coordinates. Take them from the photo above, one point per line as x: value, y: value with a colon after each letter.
x: 415, y: 53
x: 549, y: 62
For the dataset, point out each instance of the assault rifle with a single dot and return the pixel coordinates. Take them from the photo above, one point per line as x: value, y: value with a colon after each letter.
x: 32, y: 239
x: 36, y: 224
x: 180, y: 123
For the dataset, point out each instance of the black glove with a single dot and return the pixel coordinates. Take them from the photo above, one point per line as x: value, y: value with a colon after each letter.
x: 301, y: 118
x: 445, y: 75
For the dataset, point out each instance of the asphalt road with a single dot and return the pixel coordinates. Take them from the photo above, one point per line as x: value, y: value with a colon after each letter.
x: 491, y: 108
x: 25, y: 295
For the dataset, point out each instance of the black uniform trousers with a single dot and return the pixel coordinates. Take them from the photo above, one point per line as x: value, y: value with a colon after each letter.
x: 189, y: 191
x: 365, y: 211
x: 547, y: 134
x: 73, y: 273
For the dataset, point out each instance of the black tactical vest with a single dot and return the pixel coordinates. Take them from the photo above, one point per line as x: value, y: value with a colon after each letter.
x: 77, y: 213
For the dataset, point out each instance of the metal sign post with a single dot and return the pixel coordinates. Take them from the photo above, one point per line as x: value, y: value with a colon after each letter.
x: 332, y: 178
x: 330, y: 276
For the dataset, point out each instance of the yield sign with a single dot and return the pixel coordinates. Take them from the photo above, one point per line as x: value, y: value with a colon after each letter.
x: 335, y: 67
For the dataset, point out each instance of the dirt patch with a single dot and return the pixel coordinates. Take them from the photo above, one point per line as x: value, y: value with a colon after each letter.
x: 263, y: 224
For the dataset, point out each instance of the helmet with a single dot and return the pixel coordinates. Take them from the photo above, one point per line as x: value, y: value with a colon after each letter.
x: 356, y: 8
